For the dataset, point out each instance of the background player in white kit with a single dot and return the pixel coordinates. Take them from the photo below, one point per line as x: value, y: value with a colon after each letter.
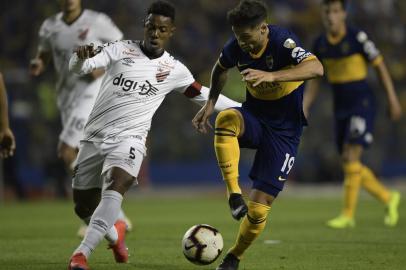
x: 59, y: 35
x: 139, y: 74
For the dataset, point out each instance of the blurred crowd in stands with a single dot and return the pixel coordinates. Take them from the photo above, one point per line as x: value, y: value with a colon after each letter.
x: 202, y: 29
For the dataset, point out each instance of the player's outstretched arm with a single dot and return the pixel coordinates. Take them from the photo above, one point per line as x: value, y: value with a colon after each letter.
x: 7, y: 141
x: 218, y: 80
x: 87, y: 59
x: 395, y: 110
x: 307, y: 69
x: 222, y: 103
x: 310, y: 94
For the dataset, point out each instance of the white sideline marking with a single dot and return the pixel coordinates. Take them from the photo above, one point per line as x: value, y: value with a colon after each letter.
x: 272, y: 242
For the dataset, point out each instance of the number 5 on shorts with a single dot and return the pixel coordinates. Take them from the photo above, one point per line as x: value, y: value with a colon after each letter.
x: 132, y: 154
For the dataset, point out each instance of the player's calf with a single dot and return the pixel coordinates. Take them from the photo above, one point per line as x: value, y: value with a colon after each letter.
x: 86, y: 202
x: 227, y: 129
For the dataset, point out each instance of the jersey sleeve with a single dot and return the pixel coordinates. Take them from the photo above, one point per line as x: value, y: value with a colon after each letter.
x: 291, y: 50
x: 107, y: 29
x: 44, y: 33
x: 183, y: 78
x: 107, y: 54
x: 200, y: 94
x: 229, y: 55
x: 368, y: 48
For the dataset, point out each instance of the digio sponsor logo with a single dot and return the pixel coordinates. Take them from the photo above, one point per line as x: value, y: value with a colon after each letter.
x: 144, y: 88
x: 126, y: 84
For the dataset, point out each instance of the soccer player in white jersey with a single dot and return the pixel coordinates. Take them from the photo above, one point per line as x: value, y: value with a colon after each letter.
x: 59, y: 35
x: 139, y: 74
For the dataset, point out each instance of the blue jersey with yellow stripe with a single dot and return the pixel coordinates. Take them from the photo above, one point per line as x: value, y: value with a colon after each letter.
x: 278, y: 104
x: 345, y: 62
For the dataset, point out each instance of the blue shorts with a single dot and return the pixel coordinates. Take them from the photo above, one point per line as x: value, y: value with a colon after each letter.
x: 275, y: 154
x: 356, y: 128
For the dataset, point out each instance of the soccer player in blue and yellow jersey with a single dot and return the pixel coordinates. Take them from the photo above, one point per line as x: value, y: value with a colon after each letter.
x: 345, y: 53
x: 274, y: 65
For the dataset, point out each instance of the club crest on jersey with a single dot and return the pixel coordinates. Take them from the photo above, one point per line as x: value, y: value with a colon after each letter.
x: 289, y: 43
x: 269, y: 61
x: 83, y: 34
x: 162, y: 74
x: 166, y: 65
x: 345, y: 47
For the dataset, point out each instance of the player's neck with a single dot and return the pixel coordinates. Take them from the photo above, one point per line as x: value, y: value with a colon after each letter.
x: 151, y: 54
x: 70, y: 16
x: 260, y: 50
x: 335, y: 37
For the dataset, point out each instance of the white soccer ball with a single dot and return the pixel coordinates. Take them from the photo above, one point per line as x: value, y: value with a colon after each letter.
x: 202, y: 244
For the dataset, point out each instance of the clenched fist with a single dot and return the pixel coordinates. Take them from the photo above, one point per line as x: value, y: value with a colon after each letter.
x: 86, y: 51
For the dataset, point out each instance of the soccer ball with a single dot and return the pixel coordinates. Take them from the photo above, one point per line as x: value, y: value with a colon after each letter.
x: 202, y: 244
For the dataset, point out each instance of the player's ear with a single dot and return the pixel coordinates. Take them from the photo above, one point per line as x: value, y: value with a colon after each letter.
x: 263, y: 27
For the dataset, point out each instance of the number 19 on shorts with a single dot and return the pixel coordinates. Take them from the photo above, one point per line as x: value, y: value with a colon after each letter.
x: 287, y: 164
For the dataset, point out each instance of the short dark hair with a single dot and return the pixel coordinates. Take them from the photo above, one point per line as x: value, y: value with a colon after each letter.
x: 163, y: 8
x: 343, y: 2
x: 248, y: 13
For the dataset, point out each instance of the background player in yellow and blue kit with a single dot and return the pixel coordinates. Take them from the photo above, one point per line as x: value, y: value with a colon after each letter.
x: 345, y: 53
x: 274, y: 66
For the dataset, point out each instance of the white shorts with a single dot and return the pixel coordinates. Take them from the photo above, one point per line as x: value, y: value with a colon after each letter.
x: 74, y: 116
x: 95, y: 159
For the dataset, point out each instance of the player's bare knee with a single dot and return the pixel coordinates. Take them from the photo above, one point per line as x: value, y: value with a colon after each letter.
x: 258, y: 196
x: 348, y: 157
x: 121, y: 184
x: 351, y: 153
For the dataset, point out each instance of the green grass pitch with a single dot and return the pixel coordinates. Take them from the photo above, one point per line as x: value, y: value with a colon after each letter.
x: 42, y: 235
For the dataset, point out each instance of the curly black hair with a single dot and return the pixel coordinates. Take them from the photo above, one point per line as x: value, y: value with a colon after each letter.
x: 248, y: 13
x: 163, y: 8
